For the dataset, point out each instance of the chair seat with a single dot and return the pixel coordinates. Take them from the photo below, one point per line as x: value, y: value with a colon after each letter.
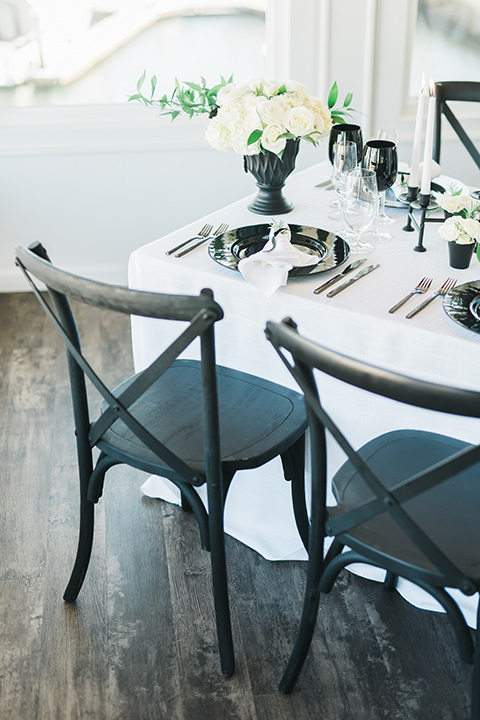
x: 448, y: 513
x: 257, y: 418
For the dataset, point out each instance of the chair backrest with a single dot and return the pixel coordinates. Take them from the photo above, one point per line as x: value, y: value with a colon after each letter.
x: 200, y: 312
x: 453, y: 92
x: 302, y: 357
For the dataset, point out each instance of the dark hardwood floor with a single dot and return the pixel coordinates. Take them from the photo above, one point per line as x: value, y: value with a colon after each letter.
x: 140, y: 641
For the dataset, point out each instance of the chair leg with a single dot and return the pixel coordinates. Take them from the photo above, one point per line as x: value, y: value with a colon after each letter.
x: 84, y: 551
x: 302, y: 642
x: 294, y: 469
x: 475, y: 712
x: 219, y: 581
x: 390, y: 582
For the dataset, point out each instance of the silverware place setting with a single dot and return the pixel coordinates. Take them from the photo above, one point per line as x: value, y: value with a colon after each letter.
x: 448, y: 285
x: 421, y: 288
x: 356, y: 277
x: 223, y: 227
x: 336, y: 278
x: 203, y: 233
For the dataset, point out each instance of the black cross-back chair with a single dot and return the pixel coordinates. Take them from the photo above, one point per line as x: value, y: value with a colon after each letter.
x: 408, y: 500
x: 454, y: 91
x: 190, y: 421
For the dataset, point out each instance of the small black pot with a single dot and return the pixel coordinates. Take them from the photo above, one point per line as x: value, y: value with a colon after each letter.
x: 460, y: 255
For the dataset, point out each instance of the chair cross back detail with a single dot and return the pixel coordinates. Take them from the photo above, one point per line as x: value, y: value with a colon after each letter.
x: 384, y: 499
x: 118, y: 406
x: 454, y: 92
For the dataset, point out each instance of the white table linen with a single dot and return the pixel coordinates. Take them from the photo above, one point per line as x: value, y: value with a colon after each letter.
x: 356, y: 322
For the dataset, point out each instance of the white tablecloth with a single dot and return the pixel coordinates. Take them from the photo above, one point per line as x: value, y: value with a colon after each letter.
x: 357, y: 322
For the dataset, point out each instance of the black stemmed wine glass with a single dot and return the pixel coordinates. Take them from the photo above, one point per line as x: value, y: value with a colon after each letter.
x: 345, y: 132
x: 381, y: 157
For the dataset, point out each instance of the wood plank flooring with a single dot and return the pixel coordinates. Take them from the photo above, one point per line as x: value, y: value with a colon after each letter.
x: 140, y: 641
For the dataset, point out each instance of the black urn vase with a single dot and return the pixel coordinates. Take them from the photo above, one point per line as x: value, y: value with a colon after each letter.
x: 270, y: 173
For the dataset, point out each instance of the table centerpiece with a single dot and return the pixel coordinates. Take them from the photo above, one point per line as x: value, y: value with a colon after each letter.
x: 461, y: 228
x: 263, y: 120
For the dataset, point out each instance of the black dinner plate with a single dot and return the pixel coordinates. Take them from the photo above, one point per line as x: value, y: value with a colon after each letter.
x: 462, y: 304
x: 327, y: 249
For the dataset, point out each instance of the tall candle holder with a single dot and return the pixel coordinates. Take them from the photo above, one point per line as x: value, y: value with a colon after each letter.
x: 418, y: 201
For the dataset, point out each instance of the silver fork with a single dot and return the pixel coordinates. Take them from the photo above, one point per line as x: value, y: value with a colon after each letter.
x: 204, y: 232
x: 421, y: 288
x: 448, y: 285
x: 221, y: 229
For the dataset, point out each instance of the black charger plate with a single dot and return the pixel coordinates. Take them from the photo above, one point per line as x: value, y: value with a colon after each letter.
x: 462, y: 304
x: 327, y: 249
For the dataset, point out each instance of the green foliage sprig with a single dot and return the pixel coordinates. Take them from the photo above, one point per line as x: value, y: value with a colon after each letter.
x: 345, y: 112
x: 187, y: 98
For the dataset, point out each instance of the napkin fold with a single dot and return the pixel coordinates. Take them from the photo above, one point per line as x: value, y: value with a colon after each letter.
x: 268, y: 269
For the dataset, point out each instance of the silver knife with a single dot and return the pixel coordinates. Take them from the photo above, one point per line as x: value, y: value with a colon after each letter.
x: 360, y: 274
x: 352, y: 266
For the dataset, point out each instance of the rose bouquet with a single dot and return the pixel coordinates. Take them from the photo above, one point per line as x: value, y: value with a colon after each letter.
x: 457, y: 229
x: 252, y: 117
x: 461, y: 226
x: 456, y: 203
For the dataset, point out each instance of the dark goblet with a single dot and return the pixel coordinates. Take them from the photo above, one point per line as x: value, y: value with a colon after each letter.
x: 381, y: 157
x: 346, y: 133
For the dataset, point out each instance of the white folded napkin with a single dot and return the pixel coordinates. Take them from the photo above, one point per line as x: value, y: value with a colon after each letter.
x: 268, y: 269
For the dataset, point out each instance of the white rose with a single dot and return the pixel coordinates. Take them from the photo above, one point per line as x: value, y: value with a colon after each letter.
x: 271, y: 112
x: 449, y: 230
x: 271, y: 141
x: 295, y: 86
x: 472, y: 228
x: 271, y: 87
x: 299, y: 121
x: 256, y: 85
x: 229, y: 93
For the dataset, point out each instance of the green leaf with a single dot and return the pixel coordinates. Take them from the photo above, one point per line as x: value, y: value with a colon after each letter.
x: 282, y: 90
x: 333, y: 95
x: 254, y: 136
x: 310, y: 139
x: 137, y: 96
x: 153, y: 85
x: 175, y: 113
x: 348, y: 99
x: 141, y: 80
x: 194, y: 86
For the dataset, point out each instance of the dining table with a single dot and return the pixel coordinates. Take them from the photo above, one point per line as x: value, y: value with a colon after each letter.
x: 432, y: 345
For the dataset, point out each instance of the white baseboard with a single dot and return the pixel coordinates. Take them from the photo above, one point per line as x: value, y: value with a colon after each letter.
x: 14, y: 281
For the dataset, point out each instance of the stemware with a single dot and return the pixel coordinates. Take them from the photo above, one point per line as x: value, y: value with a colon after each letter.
x: 344, y: 160
x: 381, y: 157
x: 360, y: 206
x: 344, y: 132
x: 392, y: 135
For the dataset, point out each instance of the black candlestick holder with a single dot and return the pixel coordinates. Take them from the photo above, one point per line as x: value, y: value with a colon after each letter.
x: 418, y: 201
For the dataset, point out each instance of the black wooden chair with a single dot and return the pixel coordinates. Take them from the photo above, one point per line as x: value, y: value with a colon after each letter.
x: 454, y: 92
x: 190, y: 421
x: 408, y: 500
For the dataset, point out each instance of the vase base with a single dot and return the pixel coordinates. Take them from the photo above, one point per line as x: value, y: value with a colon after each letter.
x: 270, y: 201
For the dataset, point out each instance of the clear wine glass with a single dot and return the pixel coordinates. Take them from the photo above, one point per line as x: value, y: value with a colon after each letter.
x: 360, y: 206
x: 381, y: 157
x: 344, y: 132
x: 392, y: 135
x: 344, y: 160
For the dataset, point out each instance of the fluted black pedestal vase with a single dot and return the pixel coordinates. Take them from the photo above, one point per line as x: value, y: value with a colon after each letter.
x: 270, y: 173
